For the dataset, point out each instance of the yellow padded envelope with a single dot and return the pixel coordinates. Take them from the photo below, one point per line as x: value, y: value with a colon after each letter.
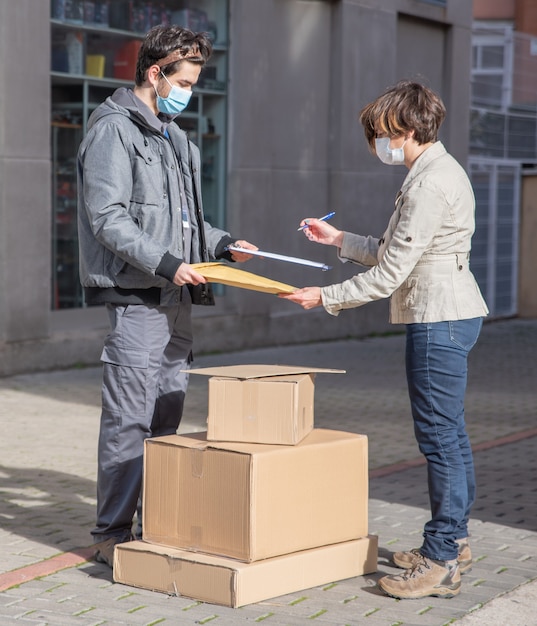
x: 221, y: 273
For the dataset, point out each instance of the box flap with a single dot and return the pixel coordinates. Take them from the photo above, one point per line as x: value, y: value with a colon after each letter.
x: 187, y: 555
x: 188, y: 440
x: 260, y: 370
x: 318, y: 436
x: 199, y: 441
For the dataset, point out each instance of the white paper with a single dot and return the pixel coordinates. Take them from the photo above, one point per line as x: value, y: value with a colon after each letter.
x: 281, y: 257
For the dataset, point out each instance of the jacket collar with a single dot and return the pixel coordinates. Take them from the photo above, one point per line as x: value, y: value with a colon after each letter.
x: 125, y: 102
x: 426, y: 157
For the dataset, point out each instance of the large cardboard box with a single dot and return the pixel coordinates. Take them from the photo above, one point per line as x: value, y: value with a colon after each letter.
x: 260, y: 403
x: 255, y: 501
x: 225, y: 581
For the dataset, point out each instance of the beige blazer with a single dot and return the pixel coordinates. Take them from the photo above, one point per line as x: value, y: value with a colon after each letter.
x: 422, y: 260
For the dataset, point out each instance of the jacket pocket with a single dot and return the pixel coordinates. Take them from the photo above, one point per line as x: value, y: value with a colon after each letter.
x: 148, y: 177
x: 113, y: 264
x: 408, y: 292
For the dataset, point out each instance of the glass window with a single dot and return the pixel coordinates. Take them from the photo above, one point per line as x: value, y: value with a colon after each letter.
x: 95, y: 45
x: 494, y: 257
x: 492, y: 57
x: 492, y: 53
x: 487, y: 89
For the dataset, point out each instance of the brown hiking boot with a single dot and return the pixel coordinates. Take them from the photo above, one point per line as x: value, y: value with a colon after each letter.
x: 105, y: 549
x: 405, y: 560
x: 425, y: 578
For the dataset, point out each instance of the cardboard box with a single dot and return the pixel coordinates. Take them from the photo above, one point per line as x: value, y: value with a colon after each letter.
x: 224, y: 581
x: 260, y: 403
x: 254, y: 501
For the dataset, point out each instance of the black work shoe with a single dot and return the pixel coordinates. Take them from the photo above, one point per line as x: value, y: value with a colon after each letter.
x: 105, y: 549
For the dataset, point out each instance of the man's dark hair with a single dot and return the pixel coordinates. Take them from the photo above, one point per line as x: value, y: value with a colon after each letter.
x: 168, y: 47
x: 407, y: 106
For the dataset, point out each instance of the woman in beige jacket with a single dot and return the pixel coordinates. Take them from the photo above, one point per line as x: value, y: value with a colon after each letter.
x: 421, y: 263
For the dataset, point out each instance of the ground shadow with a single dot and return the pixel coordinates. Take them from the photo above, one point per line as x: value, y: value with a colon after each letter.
x: 48, y: 507
x: 506, y: 489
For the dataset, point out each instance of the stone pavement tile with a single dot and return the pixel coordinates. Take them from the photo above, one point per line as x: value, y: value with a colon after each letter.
x: 357, y: 597
x: 47, y: 491
x: 368, y: 604
x: 409, y: 487
x: 355, y: 591
x: 508, y: 568
x: 516, y: 608
x: 347, y: 602
x: 28, y: 621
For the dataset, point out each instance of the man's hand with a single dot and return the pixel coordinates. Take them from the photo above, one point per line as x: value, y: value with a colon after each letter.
x: 186, y: 275
x: 308, y: 298
x: 241, y: 257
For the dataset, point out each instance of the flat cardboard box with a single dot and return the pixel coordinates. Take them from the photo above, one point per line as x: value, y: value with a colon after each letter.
x: 231, y: 583
x: 255, y: 501
x: 270, y: 404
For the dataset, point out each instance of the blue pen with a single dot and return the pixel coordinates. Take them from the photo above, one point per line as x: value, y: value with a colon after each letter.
x: 321, y: 219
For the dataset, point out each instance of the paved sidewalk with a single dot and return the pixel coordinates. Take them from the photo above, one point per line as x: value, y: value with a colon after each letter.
x: 50, y: 422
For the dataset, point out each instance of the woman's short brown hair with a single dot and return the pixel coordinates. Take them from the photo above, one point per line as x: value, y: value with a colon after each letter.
x: 407, y: 106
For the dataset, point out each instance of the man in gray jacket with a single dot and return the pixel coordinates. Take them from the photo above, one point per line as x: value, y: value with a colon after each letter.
x: 141, y: 226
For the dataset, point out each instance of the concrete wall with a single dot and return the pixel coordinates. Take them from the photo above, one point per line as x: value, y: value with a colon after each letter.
x: 522, y: 12
x: 526, y: 16
x: 494, y: 9
x: 24, y: 171
x: 300, y: 71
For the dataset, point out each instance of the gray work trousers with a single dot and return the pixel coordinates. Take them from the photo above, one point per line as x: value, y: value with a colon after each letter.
x: 142, y: 396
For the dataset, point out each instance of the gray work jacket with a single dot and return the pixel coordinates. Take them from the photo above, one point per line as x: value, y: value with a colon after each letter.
x: 129, y: 203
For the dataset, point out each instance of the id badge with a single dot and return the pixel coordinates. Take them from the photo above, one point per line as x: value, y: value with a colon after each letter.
x: 184, y: 217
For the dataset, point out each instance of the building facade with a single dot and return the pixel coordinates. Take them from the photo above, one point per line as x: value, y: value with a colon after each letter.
x: 297, y: 72
x: 503, y: 153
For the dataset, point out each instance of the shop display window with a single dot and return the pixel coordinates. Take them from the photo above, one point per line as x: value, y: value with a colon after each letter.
x: 94, y: 49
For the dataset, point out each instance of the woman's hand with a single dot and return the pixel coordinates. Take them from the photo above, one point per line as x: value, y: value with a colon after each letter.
x: 240, y: 257
x: 321, y: 232
x: 308, y: 298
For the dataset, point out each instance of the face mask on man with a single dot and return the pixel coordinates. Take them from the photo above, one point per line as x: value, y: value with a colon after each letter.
x: 386, y: 154
x: 176, y: 101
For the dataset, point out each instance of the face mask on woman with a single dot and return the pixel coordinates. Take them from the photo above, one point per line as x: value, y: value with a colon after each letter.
x: 386, y: 154
x: 175, y: 102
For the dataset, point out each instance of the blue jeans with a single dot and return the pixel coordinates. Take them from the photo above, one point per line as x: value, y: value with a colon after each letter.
x: 436, y: 367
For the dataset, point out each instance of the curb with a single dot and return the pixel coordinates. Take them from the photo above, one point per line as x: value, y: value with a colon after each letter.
x: 64, y: 560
